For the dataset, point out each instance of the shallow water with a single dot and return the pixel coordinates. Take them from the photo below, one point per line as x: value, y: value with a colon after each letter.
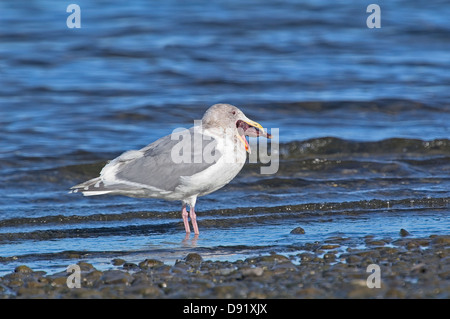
x: 363, y: 119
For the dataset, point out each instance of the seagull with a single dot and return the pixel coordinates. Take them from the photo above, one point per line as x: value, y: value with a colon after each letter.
x: 183, y: 165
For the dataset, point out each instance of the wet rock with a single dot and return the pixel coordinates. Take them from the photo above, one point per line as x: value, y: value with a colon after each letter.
x: 224, y: 271
x: 150, y: 263
x: 404, y: 232
x: 353, y: 259
x: 395, y: 293
x: 23, y: 269
x: 225, y: 291
x: 441, y: 240
x: 116, y: 277
x: 193, y: 258
x: 84, y: 266
x: 372, y: 253
x: 273, y: 258
x: 363, y: 292
x: 375, y: 242
x: 36, y: 284
x: 310, y: 292
x: 34, y: 292
x: 131, y: 267
x: 252, y: 271
x: 146, y: 291
x: 117, y: 262
x: 329, y: 246
x: 59, y: 282
x: 81, y: 293
x: 280, y: 268
x: 92, y: 278
x: 297, y: 231
x: 337, y: 240
x: 180, y: 267
x: 329, y: 257
x: 388, y: 251
x: 412, y: 245
x: 423, y: 241
x: 306, y: 257
x: 14, y: 282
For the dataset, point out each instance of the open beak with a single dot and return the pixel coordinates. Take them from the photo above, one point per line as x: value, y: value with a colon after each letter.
x: 249, y: 128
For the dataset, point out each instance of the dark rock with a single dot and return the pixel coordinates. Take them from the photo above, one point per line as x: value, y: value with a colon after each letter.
x: 404, y: 232
x: 146, y: 291
x: 375, y: 242
x: 117, y: 262
x: 193, y: 258
x: 306, y: 257
x: 329, y: 256
x: 130, y: 267
x: 412, y: 245
x: 297, y: 231
x: 23, y: 269
x: 353, y: 259
x: 150, y: 263
x: 116, y: 277
x: 252, y: 271
x: 85, y: 266
x: 441, y: 240
x: 329, y: 246
x: 273, y: 258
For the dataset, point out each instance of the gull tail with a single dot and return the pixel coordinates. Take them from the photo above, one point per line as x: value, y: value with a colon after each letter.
x: 91, y: 187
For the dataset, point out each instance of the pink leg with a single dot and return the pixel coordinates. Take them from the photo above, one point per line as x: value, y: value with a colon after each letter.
x: 184, y: 214
x: 194, y: 220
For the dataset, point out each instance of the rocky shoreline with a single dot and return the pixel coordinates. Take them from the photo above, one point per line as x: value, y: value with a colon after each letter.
x: 336, y: 267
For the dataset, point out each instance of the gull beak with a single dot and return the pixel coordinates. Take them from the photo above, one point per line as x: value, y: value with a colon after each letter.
x: 249, y: 128
x: 257, y: 125
x: 244, y: 141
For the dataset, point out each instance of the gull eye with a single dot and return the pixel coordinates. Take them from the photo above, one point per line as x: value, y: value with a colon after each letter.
x: 234, y: 112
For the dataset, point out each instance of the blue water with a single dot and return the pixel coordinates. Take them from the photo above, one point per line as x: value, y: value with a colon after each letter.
x: 71, y: 99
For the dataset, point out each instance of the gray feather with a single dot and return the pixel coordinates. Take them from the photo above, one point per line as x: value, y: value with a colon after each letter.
x: 157, y: 167
x: 154, y: 164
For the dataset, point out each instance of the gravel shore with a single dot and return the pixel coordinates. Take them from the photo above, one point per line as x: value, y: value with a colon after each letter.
x: 337, y: 267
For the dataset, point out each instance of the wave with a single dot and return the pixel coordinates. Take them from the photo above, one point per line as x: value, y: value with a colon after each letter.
x: 333, y: 145
x: 315, y: 154
x: 388, y: 106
